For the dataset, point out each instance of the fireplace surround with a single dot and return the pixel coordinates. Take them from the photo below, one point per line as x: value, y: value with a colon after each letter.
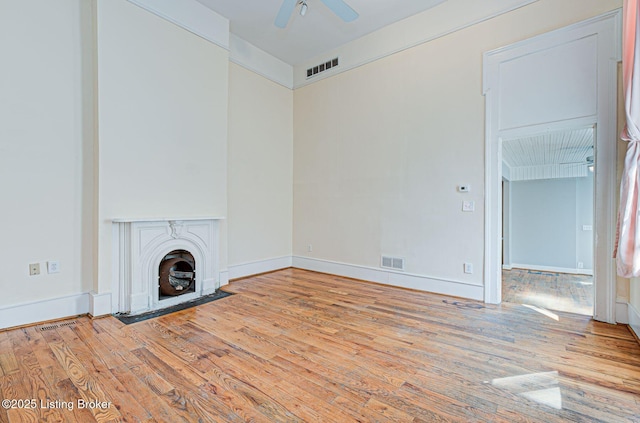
x: 162, y: 262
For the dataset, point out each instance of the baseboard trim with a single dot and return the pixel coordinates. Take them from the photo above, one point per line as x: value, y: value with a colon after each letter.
x: 634, y: 320
x: 99, y: 304
x: 224, y: 278
x: 237, y: 271
x: 386, y: 277
x: 44, y: 310
x: 622, y: 311
x: 554, y: 269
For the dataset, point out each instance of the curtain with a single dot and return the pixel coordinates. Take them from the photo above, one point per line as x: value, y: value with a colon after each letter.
x: 628, y: 245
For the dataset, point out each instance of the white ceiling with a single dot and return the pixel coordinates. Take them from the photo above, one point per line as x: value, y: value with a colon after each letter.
x: 315, y: 33
x: 560, y: 147
x: 559, y: 154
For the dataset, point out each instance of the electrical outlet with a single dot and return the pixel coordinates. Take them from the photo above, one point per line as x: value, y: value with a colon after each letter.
x: 468, y: 268
x: 53, y: 266
x: 34, y: 269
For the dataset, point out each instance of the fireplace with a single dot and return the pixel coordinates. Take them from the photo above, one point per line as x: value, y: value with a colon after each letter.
x: 159, y: 263
x: 176, y: 274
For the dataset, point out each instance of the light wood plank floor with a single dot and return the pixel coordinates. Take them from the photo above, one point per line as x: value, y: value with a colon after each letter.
x: 298, y: 346
x: 549, y: 290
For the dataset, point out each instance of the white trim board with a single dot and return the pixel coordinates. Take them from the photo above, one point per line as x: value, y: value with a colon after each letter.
x: 191, y: 16
x: 550, y: 269
x: 44, y: 310
x: 403, y: 35
x: 99, y: 304
x: 224, y: 278
x: 634, y: 319
x: 204, y: 22
x: 622, y: 311
x: 256, y: 267
x: 250, y: 57
x: 387, y: 277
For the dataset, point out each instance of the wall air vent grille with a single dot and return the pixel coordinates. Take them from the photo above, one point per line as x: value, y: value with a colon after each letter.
x: 311, y: 72
x: 394, y: 263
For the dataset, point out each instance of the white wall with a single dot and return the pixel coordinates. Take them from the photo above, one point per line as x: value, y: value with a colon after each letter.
x: 163, y: 100
x: 380, y: 149
x: 547, y: 216
x: 41, y: 149
x: 584, y: 216
x: 634, y: 305
x: 506, y: 223
x: 260, y: 168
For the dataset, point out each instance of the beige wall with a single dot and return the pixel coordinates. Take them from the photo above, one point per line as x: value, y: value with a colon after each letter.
x: 41, y: 148
x: 260, y: 167
x: 635, y: 293
x: 379, y: 150
x: 163, y: 96
x: 110, y: 111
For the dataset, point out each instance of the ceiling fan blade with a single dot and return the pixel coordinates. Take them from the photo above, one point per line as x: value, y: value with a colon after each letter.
x: 342, y: 9
x: 285, y: 13
x: 587, y: 162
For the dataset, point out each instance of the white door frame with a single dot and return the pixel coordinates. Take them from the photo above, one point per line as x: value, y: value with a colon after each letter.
x: 607, y: 28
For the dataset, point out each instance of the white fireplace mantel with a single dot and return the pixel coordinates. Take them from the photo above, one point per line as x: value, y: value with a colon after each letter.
x: 140, y: 244
x: 162, y: 219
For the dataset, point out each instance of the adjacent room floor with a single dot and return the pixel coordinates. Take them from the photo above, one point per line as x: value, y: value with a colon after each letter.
x: 548, y: 290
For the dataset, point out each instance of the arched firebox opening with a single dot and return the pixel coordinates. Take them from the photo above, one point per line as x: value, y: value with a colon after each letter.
x: 177, y: 274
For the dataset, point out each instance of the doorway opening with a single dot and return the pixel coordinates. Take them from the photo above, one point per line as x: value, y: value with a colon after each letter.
x: 547, y: 219
x: 563, y: 79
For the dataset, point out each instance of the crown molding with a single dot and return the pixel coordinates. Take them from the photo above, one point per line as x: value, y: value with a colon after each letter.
x: 192, y: 16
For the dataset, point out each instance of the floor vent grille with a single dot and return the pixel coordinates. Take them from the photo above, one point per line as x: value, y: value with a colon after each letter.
x: 57, y: 325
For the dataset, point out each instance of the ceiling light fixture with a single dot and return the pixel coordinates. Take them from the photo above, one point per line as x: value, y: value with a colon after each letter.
x: 303, y: 8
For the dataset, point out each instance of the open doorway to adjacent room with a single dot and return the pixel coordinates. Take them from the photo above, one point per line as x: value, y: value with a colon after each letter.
x: 556, y: 85
x: 547, y: 220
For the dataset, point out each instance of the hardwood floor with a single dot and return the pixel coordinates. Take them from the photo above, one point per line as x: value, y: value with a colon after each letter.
x: 298, y: 346
x: 549, y: 290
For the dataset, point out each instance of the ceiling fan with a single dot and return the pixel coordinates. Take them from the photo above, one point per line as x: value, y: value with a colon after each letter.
x: 339, y: 7
x: 589, y: 162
